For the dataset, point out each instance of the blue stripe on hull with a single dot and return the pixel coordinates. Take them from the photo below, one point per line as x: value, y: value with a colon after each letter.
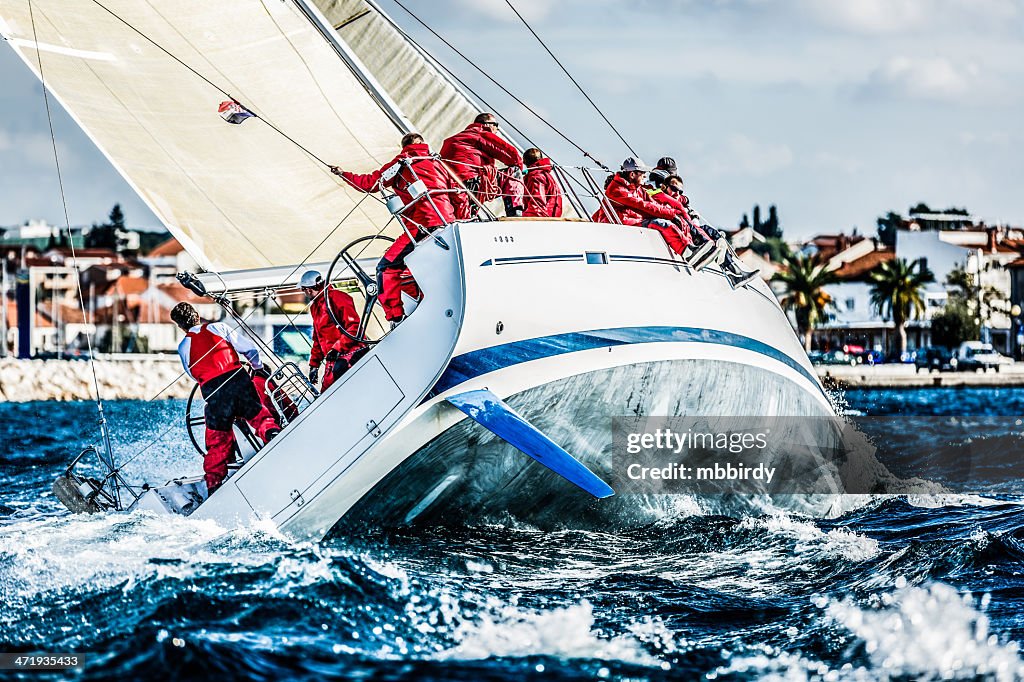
x: 475, y: 363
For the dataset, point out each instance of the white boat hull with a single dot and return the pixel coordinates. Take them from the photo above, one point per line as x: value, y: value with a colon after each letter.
x: 573, y: 324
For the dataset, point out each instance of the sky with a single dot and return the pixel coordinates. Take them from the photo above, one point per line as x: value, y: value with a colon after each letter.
x: 835, y: 111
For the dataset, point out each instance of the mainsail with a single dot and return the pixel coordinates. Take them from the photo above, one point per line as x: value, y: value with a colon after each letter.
x: 145, y: 81
x: 437, y: 107
x: 236, y: 196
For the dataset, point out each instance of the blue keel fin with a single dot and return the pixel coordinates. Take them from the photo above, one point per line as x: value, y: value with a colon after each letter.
x: 493, y: 414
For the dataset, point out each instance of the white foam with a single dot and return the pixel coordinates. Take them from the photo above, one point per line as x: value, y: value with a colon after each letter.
x: 769, y: 663
x: 838, y: 542
x: 952, y: 500
x: 929, y: 632
x: 69, y: 552
x: 563, y: 632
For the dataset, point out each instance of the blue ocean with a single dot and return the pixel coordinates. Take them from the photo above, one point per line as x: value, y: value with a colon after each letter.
x: 900, y: 588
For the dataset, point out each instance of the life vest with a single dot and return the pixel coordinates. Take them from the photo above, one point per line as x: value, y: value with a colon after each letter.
x: 210, y: 355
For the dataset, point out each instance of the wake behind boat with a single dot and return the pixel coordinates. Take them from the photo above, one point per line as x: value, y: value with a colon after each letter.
x: 496, y: 394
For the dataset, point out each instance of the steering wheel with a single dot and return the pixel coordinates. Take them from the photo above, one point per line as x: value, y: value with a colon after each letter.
x: 367, y: 284
x: 195, y: 418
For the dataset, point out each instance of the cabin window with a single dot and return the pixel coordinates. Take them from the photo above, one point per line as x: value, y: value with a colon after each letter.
x: 597, y: 258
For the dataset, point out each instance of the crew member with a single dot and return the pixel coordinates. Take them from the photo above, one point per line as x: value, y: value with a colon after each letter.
x: 668, y: 165
x: 421, y: 215
x: 328, y: 340
x: 542, y: 193
x: 471, y: 155
x: 626, y: 194
x: 210, y: 354
x: 734, y: 270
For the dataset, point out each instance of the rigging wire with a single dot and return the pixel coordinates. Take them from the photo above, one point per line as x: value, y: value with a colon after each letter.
x: 209, y: 82
x: 569, y: 76
x: 71, y: 242
x: 486, y: 75
x: 454, y: 76
x: 242, y: 321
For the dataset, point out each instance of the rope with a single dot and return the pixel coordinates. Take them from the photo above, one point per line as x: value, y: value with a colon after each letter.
x: 206, y: 80
x: 71, y: 241
x: 569, y: 76
x: 486, y: 75
x: 242, y: 321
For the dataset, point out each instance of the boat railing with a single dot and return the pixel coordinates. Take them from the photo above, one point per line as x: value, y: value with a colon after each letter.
x: 606, y: 206
x: 290, y: 392
x: 420, y: 192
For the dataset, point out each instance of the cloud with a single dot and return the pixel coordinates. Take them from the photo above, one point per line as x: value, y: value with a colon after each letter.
x: 832, y: 162
x: 532, y: 10
x: 910, y: 16
x: 865, y: 17
x: 5, y: 140
x: 994, y: 138
x: 742, y: 155
x: 869, y: 16
x: 930, y: 78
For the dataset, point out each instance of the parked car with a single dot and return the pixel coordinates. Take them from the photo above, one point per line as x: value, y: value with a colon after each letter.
x: 975, y: 355
x: 864, y: 355
x: 832, y: 357
x: 935, y: 358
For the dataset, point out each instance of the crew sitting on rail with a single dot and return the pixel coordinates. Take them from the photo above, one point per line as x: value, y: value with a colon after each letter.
x: 210, y: 354
x: 626, y: 194
x: 542, y: 194
x: 471, y: 154
x: 424, y: 213
x: 698, y: 248
x: 329, y: 342
x: 732, y: 267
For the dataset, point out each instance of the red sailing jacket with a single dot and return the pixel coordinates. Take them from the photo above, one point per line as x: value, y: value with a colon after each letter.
x: 209, y: 355
x: 326, y: 335
x: 474, y: 148
x: 631, y: 203
x: 433, y: 175
x: 543, y: 195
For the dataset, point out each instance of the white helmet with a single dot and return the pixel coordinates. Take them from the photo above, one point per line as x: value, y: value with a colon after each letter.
x: 311, y: 279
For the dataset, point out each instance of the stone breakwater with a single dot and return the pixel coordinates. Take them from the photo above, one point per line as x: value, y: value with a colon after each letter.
x: 121, y: 379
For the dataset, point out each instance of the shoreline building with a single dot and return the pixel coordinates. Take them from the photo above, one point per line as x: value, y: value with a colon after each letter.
x: 990, y: 255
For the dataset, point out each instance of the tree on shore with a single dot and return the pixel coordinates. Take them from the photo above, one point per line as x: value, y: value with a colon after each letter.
x: 805, y: 280
x: 897, y: 292
x: 105, y: 236
x: 954, y: 324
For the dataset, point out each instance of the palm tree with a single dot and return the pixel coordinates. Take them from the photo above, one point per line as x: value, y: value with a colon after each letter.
x: 896, y: 292
x: 805, y: 281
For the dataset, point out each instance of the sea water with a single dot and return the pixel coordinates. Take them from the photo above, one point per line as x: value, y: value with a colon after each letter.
x: 902, y: 588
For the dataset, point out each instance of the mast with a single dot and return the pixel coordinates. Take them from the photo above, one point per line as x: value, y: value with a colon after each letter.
x: 362, y: 74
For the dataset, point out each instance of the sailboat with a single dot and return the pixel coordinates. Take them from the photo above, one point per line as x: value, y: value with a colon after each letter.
x: 496, y: 395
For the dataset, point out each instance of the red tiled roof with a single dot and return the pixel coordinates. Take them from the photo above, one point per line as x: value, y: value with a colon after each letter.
x: 12, y: 316
x: 860, y: 267
x: 829, y: 245
x: 86, y: 253
x: 171, y: 247
x: 127, y: 286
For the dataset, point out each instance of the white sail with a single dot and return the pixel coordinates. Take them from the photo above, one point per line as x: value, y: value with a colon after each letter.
x: 236, y: 196
x: 436, y: 105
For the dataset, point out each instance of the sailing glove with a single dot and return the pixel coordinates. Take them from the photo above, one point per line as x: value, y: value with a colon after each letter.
x: 313, y: 371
